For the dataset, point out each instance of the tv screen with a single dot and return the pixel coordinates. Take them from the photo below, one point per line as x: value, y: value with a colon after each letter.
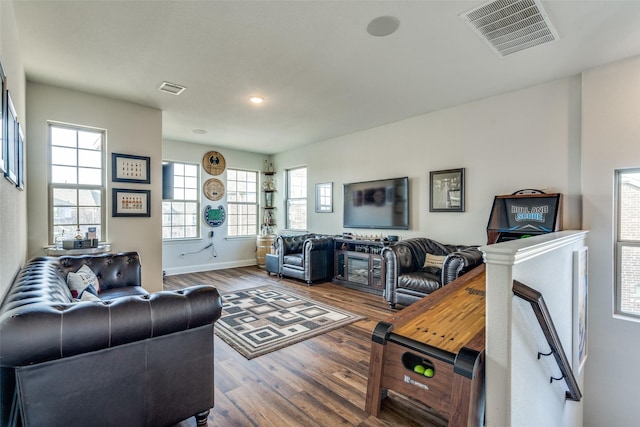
x: 377, y: 204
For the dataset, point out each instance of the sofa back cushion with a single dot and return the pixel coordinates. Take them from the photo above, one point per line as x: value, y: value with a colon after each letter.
x: 413, y: 252
x: 112, y: 270
x: 293, y: 244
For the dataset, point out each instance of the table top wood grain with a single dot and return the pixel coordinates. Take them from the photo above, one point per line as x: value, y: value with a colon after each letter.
x: 450, y: 318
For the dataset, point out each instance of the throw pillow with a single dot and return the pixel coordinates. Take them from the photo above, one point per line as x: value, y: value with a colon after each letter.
x: 83, y: 284
x: 433, y: 263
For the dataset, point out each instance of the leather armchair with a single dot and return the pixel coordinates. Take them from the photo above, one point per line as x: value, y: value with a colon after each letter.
x: 130, y: 359
x: 406, y: 278
x: 307, y: 257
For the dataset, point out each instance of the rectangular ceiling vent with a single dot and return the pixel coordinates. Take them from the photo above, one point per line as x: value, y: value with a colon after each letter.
x: 172, y: 88
x: 509, y: 26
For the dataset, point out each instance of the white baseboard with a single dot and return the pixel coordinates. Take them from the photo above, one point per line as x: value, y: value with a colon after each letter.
x: 171, y: 271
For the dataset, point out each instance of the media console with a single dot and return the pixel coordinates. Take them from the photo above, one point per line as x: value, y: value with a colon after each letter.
x: 358, y: 264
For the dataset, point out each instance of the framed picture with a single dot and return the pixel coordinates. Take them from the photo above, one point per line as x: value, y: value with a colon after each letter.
x: 131, y: 202
x: 580, y: 312
x: 11, y: 159
x: 324, y: 197
x: 446, y: 189
x: 20, y: 153
x: 128, y: 168
x: 3, y: 120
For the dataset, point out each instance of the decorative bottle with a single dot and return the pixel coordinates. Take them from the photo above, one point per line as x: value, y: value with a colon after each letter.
x: 60, y: 239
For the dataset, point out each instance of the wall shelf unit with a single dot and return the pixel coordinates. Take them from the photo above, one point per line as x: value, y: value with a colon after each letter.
x: 268, y: 208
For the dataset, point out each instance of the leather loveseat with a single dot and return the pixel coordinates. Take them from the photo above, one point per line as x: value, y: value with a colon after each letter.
x: 415, y: 267
x: 307, y: 257
x: 128, y: 359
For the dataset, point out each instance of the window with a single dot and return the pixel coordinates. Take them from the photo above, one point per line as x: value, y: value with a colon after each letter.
x: 242, y: 201
x: 628, y: 243
x: 76, y: 181
x: 297, y: 199
x: 180, y: 212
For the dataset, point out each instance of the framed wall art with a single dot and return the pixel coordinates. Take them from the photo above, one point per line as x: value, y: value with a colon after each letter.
x: 20, y: 156
x: 130, y: 202
x: 128, y: 168
x: 579, y: 309
x: 324, y: 197
x: 3, y: 120
x: 11, y: 159
x: 446, y: 189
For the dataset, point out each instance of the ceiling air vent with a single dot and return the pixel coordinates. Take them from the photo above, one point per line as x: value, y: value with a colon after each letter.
x: 172, y: 88
x: 509, y: 26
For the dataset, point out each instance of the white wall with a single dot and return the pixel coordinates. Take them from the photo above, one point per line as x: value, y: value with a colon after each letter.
x: 519, y: 392
x: 131, y: 129
x: 611, y: 140
x: 13, y: 203
x: 226, y: 252
x: 524, y: 139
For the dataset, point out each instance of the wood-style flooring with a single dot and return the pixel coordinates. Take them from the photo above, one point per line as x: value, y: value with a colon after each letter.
x: 319, y: 382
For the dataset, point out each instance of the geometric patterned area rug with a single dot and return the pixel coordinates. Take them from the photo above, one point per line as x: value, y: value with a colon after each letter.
x: 260, y: 320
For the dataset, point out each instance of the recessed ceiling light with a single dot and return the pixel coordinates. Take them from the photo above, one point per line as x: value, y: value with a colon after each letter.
x: 199, y: 131
x: 256, y: 99
x: 383, y: 26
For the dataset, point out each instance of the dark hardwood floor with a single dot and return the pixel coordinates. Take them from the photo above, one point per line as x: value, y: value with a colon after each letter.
x: 318, y: 382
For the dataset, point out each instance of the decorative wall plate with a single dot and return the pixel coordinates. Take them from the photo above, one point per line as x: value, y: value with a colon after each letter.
x: 213, y: 189
x: 213, y: 162
x: 214, y: 217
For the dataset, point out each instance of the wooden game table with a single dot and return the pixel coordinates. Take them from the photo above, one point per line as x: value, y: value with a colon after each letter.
x: 445, y: 334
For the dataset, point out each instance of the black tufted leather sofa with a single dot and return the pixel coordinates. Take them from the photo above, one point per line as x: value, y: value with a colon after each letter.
x: 133, y: 359
x: 307, y: 257
x: 407, y: 281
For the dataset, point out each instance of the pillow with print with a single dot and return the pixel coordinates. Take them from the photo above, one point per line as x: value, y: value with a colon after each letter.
x: 83, y: 284
x: 433, y: 263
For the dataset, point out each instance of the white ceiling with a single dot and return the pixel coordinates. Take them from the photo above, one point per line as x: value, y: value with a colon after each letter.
x: 320, y: 71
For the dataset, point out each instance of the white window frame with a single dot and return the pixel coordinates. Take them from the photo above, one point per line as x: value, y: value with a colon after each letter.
x: 241, y: 201
x: 70, y: 230
x: 293, y: 199
x: 187, y: 183
x: 620, y: 246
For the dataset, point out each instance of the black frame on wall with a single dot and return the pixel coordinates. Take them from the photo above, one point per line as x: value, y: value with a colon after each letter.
x: 3, y: 120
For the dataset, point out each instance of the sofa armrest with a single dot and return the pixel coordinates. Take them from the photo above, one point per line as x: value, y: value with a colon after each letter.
x: 41, y: 332
x: 390, y: 260
x: 460, y: 262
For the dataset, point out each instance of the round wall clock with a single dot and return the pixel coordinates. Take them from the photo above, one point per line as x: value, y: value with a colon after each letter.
x: 213, y: 162
x: 213, y: 189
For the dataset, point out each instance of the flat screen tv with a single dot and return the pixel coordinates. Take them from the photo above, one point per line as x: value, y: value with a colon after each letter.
x: 380, y: 204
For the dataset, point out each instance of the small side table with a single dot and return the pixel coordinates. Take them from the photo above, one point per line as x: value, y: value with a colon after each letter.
x: 272, y: 264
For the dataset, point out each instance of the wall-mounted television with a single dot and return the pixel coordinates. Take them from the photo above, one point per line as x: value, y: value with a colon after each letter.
x: 381, y: 204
